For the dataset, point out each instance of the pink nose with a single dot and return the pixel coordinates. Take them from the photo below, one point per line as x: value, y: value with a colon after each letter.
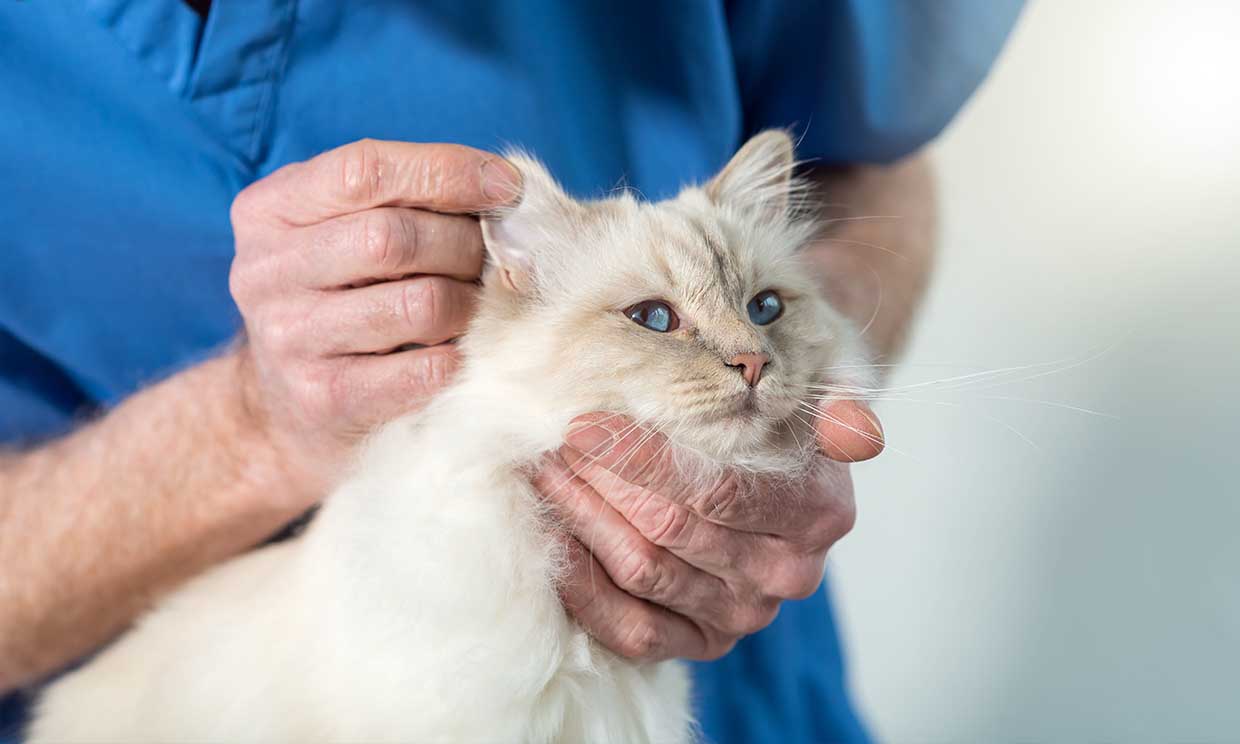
x: 751, y: 365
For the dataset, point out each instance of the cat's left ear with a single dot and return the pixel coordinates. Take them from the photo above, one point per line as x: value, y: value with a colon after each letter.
x: 517, y: 237
x: 758, y: 180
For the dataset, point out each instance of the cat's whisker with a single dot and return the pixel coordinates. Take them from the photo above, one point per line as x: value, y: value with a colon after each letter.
x: 809, y: 425
x: 864, y: 244
x: 878, y: 304
x: 908, y: 399
x: 983, y: 379
x: 832, y: 220
x: 625, y: 458
x: 591, y: 456
x: 986, y: 416
x: 1053, y: 404
x: 830, y: 441
x: 792, y: 431
x: 876, y: 441
x: 958, y: 380
x: 647, y: 435
x: 828, y: 417
x: 881, y: 443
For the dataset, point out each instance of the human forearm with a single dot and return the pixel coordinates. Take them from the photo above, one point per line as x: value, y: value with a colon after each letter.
x: 878, y: 245
x: 337, y: 285
x: 93, y: 526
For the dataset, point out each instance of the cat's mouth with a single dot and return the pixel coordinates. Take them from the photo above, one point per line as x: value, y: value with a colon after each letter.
x: 747, y: 405
x: 752, y: 404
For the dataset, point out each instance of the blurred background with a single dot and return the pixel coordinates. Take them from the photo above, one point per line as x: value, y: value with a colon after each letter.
x: 1023, y: 571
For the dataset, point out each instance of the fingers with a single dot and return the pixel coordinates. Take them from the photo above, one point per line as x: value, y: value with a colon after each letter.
x: 630, y: 627
x: 387, y: 243
x: 372, y: 173
x: 424, y: 310
x: 848, y: 431
x: 643, y: 459
x: 636, y: 472
x: 371, y: 390
x: 721, y: 554
x: 633, y: 453
x: 640, y: 567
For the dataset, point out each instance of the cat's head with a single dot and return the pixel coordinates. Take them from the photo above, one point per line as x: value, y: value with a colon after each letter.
x: 697, y: 314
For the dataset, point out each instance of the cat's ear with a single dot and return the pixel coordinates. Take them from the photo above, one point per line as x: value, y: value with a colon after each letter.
x: 515, y: 237
x: 758, y: 180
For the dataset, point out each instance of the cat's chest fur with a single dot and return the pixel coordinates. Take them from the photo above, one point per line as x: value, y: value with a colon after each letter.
x: 461, y: 565
x: 421, y: 604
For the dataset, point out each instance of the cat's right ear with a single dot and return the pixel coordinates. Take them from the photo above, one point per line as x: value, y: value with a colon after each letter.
x: 758, y: 180
x: 516, y: 237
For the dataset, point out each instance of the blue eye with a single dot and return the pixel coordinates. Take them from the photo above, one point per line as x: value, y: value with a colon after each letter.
x: 765, y: 307
x: 655, y: 315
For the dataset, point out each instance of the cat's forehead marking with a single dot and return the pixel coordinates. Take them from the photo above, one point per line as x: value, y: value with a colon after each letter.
x: 708, y: 244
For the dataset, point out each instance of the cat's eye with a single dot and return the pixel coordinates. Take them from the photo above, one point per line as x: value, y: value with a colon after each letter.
x: 655, y: 315
x: 765, y: 307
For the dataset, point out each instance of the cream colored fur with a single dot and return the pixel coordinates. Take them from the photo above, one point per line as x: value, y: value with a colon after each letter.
x: 421, y: 605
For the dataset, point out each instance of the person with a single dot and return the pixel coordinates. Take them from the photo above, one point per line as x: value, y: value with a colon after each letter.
x: 161, y: 412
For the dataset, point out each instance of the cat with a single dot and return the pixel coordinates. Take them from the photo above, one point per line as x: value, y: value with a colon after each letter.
x: 421, y: 604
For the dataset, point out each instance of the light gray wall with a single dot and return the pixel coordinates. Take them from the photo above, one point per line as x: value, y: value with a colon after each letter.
x: 1083, y: 585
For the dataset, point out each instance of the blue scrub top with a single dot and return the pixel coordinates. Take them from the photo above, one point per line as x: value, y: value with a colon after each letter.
x: 126, y: 128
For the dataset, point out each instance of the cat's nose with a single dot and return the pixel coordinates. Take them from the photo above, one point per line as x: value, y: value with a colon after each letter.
x: 751, y: 365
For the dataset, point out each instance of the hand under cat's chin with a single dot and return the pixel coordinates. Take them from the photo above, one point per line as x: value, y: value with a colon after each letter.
x: 697, y: 528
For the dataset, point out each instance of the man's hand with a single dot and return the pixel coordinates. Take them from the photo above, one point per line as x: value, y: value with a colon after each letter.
x: 664, y: 568
x: 343, y: 262
x: 661, y: 569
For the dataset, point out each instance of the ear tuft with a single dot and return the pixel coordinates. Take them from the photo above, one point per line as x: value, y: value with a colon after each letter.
x: 515, y: 237
x: 758, y: 179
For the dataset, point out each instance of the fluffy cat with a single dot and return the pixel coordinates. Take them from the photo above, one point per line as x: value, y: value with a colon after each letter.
x: 421, y: 604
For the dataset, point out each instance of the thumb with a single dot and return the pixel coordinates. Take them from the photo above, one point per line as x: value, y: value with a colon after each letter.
x: 848, y: 431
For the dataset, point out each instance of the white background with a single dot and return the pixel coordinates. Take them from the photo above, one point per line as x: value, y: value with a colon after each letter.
x: 1085, y: 586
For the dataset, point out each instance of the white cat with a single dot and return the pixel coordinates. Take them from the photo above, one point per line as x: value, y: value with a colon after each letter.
x: 421, y: 605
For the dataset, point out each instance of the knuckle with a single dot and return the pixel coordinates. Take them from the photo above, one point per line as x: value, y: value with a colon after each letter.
x: 719, y: 645
x: 309, y: 388
x: 655, y: 466
x: 845, y: 519
x: 797, y: 578
x: 422, y: 303
x: 245, y: 206
x: 253, y: 281
x: 329, y: 391
x: 671, y: 525
x: 643, y: 573
x: 434, y: 372
x: 362, y: 171
x: 643, y: 639
x: 274, y: 335
x: 379, y: 241
x: 240, y: 285
x: 274, y: 331
x: 579, y: 597
x: 723, y: 502
x: 833, y: 522
x: 433, y: 173
x: 755, y: 617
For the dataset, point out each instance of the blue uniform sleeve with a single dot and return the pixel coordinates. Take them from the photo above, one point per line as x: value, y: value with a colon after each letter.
x: 863, y: 80
x: 37, y: 400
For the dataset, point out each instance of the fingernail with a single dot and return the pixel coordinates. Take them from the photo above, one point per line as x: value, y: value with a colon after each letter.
x: 500, y: 181
x: 588, y: 438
